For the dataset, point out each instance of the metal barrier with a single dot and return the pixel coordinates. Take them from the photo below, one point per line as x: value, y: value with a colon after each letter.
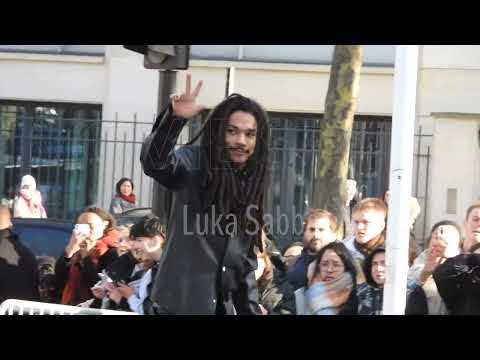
x: 22, y: 307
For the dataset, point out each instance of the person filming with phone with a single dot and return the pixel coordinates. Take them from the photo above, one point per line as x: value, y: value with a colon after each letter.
x: 423, y: 296
x: 92, y: 247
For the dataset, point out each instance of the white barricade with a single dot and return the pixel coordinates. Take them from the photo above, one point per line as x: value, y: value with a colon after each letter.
x: 22, y: 307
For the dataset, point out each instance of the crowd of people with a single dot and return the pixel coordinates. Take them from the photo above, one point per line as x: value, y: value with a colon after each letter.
x: 109, y: 267
x: 232, y: 265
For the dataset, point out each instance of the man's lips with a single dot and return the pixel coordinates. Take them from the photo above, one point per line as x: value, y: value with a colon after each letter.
x: 239, y: 151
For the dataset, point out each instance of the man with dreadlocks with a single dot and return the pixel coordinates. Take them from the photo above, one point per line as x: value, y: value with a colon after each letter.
x: 216, y: 210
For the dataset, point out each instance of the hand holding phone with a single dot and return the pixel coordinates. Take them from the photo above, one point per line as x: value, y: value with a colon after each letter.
x: 79, y: 234
x: 450, y: 239
x: 104, y: 278
x: 82, y: 230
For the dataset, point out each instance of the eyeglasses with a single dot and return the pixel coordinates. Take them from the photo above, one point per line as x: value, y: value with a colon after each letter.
x: 336, y: 266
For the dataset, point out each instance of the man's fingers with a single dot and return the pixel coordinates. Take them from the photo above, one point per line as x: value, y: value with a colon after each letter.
x: 188, y: 87
x: 197, y: 88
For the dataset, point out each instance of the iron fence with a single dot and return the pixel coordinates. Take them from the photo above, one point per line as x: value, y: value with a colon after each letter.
x: 77, y: 162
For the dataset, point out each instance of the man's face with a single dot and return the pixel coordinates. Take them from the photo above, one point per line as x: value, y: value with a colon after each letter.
x: 378, y: 268
x: 241, y: 137
x: 5, y: 218
x: 367, y: 225
x: 472, y: 228
x: 318, y: 234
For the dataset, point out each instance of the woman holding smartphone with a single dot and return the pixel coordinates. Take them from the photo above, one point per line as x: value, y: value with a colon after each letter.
x: 423, y: 296
x: 91, y: 249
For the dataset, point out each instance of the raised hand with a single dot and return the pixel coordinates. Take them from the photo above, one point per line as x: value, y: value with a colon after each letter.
x: 185, y: 105
x: 75, y: 244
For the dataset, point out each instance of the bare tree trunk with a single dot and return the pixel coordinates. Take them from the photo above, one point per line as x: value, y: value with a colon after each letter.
x: 336, y: 131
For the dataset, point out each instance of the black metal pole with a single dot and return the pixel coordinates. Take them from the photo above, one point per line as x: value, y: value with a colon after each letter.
x: 166, y: 87
x: 26, y: 149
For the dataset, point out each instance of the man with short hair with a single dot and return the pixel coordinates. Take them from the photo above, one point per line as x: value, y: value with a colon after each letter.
x: 18, y: 267
x: 369, y: 221
x: 320, y: 229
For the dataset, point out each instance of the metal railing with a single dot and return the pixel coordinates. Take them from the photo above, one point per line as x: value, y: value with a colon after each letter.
x: 77, y: 161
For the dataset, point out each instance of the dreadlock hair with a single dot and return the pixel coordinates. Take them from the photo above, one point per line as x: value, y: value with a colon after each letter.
x: 222, y: 186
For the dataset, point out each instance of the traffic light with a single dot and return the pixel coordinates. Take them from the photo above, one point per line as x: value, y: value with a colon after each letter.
x: 163, y: 57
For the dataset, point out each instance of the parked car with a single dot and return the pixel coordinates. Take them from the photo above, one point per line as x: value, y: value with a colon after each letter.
x: 44, y: 237
x: 132, y: 216
x: 49, y: 237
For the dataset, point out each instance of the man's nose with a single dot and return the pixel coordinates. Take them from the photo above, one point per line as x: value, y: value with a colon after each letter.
x: 241, y: 139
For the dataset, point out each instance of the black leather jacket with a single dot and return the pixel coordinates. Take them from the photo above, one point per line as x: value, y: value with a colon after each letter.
x: 199, y: 268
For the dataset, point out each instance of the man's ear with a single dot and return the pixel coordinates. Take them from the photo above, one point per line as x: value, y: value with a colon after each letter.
x: 105, y: 223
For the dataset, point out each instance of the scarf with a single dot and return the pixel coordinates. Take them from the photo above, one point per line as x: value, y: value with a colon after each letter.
x: 77, y: 290
x: 327, y: 298
x: 367, y: 248
x: 129, y: 198
x: 34, y: 201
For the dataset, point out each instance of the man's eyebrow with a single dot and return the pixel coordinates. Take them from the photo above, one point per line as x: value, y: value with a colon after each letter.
x: 237, y: 128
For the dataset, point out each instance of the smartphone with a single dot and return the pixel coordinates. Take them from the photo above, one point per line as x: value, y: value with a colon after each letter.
x: 452, y: 238
x: 82, y: 229
x: 104, y: 278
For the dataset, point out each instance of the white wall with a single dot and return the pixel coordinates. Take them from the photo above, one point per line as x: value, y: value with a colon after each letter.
x: 60, y: 78
x: 130, y: 92
x: 451, y: 56
x: 292, y: 88
x: 448, y: 108
x: 455, y: 165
